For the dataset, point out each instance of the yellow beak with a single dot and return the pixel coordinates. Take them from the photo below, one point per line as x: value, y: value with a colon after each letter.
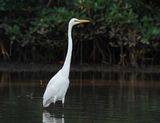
x: 84, y: 21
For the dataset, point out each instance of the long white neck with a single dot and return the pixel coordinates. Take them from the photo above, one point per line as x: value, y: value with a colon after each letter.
x: 66, y: 66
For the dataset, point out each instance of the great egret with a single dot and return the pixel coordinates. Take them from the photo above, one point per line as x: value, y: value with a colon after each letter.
x: 58, y: 85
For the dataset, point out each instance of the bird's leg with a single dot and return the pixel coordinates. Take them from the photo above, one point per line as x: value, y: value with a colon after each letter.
x: 54, y: 100
x: 63, y: 99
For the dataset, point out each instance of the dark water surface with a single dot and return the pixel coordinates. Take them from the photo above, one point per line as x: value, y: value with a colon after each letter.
x: 93, y: 97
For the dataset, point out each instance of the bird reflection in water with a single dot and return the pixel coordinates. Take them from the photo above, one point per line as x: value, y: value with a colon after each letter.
x: 51, y: 118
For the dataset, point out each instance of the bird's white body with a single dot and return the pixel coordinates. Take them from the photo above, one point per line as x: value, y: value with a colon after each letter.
x: 58, y: 85
x: 56, y: 89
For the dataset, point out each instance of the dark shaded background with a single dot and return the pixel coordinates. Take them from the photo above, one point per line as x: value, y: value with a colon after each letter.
x: 122, y: 32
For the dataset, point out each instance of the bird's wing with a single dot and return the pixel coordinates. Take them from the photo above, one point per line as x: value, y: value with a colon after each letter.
x: 56, y: 89
x: 54, y: 78
x: 49, y: 94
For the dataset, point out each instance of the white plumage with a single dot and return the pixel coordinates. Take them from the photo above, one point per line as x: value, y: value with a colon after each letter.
x: 58, y: 85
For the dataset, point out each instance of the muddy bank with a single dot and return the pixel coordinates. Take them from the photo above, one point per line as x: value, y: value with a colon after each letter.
x: 32, y: 67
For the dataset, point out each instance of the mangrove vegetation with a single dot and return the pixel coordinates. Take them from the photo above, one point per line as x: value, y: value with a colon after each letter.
x: 123, y: 32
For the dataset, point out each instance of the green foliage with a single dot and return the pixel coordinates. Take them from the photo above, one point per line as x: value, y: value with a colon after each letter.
x: 9, y: 5
x: 126, y: 25
x: 149, y: 29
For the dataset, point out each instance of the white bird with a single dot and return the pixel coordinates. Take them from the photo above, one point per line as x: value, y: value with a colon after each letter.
x: 58, y: 85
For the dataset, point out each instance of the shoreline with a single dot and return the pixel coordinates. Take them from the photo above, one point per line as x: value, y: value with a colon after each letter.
x: 34, y: 67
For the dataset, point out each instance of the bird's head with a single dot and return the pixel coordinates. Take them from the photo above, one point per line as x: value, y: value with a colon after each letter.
x: 75, y: 21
